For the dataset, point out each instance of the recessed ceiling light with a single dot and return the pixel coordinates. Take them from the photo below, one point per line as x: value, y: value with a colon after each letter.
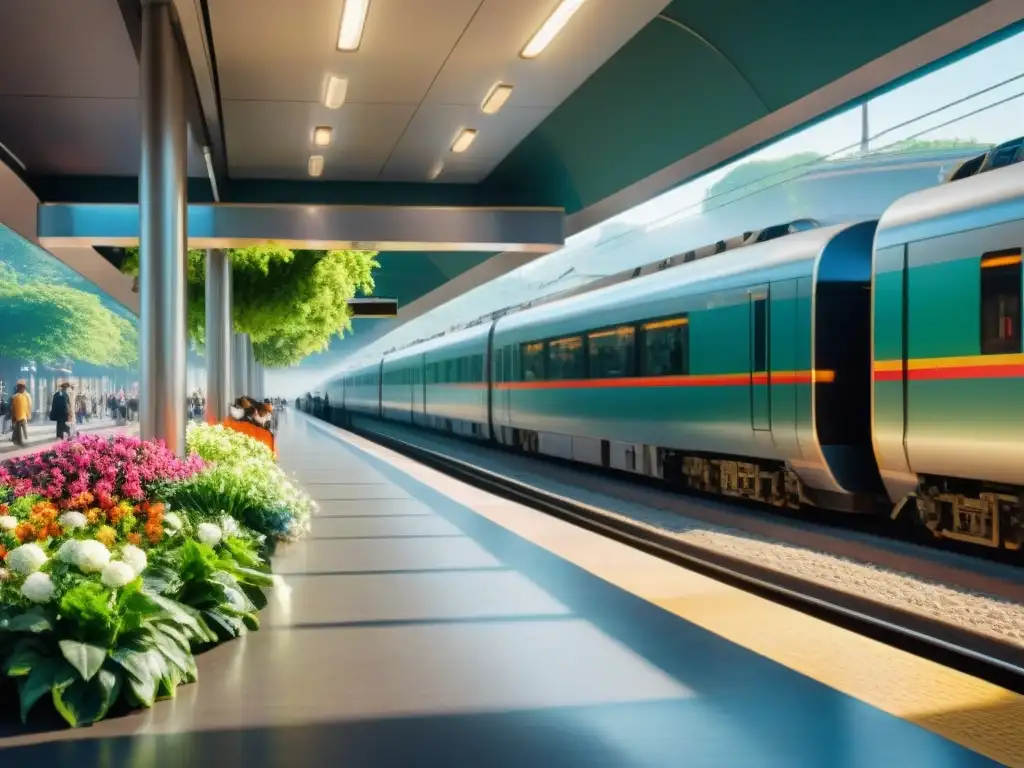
x: 550, y: 29
x: 353, y: 19
x: 337, y: 88
x: 496, y: 98
x: 463, y: 140
x: 322, y: 136
x: 436, y: 170
x: 316, y: 165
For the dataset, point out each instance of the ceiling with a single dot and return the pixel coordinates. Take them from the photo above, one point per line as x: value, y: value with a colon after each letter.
x: 421, y: 73
x: 633, y: 97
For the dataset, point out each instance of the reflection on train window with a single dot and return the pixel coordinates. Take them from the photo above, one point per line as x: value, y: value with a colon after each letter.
x: 533, y: 361
x: 565, y: 358
x: 612, y: 352
x: 1001, y: 302
x: 666, y: 347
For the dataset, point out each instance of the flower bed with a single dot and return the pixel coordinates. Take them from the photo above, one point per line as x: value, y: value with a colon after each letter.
x: 106, y: 593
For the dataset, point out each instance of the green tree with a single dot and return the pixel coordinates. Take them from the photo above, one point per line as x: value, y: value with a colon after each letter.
x: 53, y: 323
x: 934, y: 145
x: 755, y: 175
x: 291, y: 303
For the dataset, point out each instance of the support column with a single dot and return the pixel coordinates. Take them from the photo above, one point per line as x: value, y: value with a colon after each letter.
x: 162, y: 230
x: 253, y: 368
x: 240, y: 364
x: 218, y: 335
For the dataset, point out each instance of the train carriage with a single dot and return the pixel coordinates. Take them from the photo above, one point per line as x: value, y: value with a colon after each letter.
x: 361, y: 392
x: 742, y: 373
x: 948, y: 377
x: 455, y: 382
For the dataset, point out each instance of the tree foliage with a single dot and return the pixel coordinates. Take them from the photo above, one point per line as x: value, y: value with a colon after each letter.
x: 291, y: 303
x: 935, y: 145
x: 756, y: 175
x: 53, y: 323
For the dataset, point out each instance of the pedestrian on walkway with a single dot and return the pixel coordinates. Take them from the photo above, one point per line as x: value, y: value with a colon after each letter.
x: 21, y: 412
x: 61, y: 410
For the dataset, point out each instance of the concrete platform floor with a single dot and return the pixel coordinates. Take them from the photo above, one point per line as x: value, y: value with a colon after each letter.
x: 419, y: 629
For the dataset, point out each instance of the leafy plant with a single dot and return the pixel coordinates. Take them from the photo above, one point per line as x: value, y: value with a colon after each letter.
x: 97, y: 643
x: 291, y: 303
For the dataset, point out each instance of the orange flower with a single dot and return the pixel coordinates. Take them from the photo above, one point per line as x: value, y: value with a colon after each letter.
x: 3, y: 551
x: 94, y: 515
x: 114, y: 514
x: 24, y: 532
x: 154, y: 532
x: 134, y: 538
x: 106, y: 536
x: 53, y: 530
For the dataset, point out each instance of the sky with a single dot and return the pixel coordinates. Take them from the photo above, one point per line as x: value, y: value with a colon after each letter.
x: 978, y: 97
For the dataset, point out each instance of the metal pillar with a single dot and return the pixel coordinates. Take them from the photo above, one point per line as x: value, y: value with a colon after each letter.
x: 253, y: 369
x: 162, y: 230
x: 240, y: 364
x: 219, y: 392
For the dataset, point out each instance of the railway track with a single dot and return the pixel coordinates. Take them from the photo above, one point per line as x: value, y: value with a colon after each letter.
x: 970, y: 652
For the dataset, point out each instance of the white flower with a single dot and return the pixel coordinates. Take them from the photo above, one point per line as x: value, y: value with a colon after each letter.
x: 4, y: 574
x: 208, y: 533
x: 8, y: 522
x: 229, y: 525
x: 26, y: 559
x: 68, y: 552
x: 172, y: 521
x: 135, y: 557
x: 91, y: 555
x: 117, y: 574
x: 73, y: 519
x: 38, y: 587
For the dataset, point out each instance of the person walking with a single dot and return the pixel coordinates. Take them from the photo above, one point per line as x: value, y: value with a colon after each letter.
x: 61, y: 410
x: 21, y: 412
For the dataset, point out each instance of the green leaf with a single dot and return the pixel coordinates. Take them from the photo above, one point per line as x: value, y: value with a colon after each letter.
x: 22, y: 659
x: 173, y: 652
x: 141, y: 680
x: 230, y: 626
x: 39, y: 682
x: 87, y: 659
x: 251, y: 621
x: 256, y: 595
x: 86, y: 702
x: 34, y: 620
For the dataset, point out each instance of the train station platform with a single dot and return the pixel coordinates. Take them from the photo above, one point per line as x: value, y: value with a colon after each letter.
x: 425, y: 622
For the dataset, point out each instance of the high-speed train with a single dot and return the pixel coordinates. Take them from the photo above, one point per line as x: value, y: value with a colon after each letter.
x: 870, y: 366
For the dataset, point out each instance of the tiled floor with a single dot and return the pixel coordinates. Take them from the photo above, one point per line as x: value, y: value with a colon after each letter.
x: 416, y: 630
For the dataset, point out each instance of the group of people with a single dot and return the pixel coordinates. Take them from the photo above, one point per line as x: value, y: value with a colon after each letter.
x: 69, y: 408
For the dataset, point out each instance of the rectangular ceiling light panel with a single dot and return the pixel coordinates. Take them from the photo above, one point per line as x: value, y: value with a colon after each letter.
x: 496, y: 99
x: 549, y: 31
x: 337, y: 89
x: 353, y: 19
x: 316, y: 165
x: 322, y: 136
x: 463, y: 140
x: 436, y: 170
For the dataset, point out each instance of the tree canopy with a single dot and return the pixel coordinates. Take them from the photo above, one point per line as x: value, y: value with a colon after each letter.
x: 291, y: 303
x: 53, y: 323
x: 748, y: 178
x: 935, y: 145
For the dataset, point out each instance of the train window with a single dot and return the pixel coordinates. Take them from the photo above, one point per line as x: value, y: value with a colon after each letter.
x: 532, y: 361
x: 1001, y: 302
x: 612, y: 352
x: 565, y: 358
x: 760, y: 361
x: 497, y: 362
x: 666, y: 347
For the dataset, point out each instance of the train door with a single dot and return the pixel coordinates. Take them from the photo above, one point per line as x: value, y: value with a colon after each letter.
x: 760, y: 376
x: 784, y: 366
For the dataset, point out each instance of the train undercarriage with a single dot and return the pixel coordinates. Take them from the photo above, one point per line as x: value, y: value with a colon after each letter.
x: 975, y: 513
